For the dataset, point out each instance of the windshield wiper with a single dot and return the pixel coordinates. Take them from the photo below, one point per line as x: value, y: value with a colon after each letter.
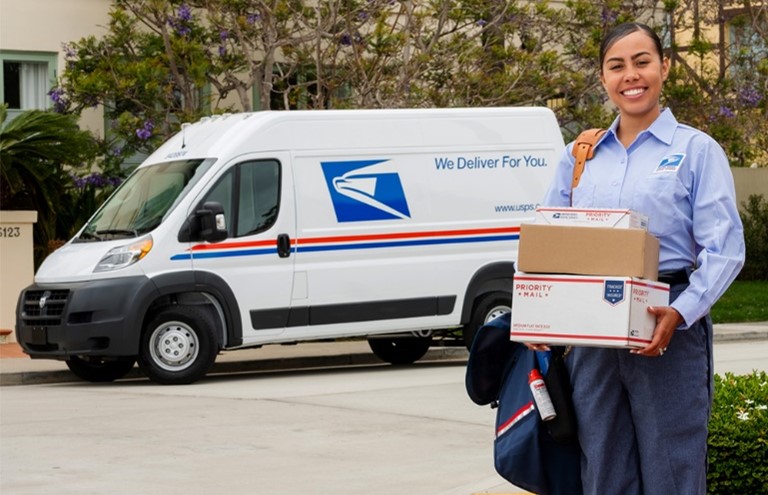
x: 125, y: 232
x: 87, y: 235
x: 143, y: 229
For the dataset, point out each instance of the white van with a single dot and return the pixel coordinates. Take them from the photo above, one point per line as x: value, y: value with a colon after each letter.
x: 279, y: 227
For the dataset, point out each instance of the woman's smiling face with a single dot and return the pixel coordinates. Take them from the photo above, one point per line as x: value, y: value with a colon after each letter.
x: 632, y: 74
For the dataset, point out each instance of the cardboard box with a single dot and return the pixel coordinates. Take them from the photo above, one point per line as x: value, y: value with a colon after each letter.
x: 588, y: 311
x: 588, y: 251
x: 592, y: 217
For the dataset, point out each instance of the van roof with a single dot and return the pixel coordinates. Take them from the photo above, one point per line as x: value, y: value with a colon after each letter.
x: 233, y: 134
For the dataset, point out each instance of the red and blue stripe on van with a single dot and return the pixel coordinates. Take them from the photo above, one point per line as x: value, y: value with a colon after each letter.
x: 352, y: 242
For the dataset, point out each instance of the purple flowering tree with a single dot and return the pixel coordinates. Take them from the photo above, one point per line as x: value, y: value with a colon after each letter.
x: 719, y: 76
x: 149, y: 73
x: 161, y: 63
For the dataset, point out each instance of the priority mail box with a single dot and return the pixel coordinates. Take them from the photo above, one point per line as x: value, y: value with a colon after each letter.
x: 586, y: 311
x: 588, y: 251
x: 592, y: 217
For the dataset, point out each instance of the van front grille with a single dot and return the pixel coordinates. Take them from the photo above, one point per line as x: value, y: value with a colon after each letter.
x: 44, y: 307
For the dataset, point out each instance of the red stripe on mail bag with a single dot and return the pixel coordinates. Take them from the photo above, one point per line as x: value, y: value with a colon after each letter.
x: 516, y: 418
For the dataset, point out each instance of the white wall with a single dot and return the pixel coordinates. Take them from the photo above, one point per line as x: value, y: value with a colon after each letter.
x: 749, y: 181
x: 16, y: 262
x: 44, y: 25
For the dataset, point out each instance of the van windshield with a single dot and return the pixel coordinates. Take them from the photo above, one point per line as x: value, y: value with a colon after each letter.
x: 141, y: 203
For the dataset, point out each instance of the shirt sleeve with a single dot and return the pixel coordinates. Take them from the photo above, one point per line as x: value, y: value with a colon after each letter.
x: 717, y: 233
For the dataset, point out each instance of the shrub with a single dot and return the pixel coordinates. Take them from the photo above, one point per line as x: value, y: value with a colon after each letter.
x: 754, y: 216
x: 738, y: 435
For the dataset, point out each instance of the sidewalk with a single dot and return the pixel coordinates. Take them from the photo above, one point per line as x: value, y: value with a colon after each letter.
x: 16, y: 368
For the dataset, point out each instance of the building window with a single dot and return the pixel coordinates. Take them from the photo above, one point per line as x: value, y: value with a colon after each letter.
x: 25, y: 85
x: 747, y: 46
x: 26, y: 79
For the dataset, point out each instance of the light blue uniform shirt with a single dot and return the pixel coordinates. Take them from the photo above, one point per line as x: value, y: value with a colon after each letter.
x: 679, y: 177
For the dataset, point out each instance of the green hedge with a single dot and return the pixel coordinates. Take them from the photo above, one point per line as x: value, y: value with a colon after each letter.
x: 738, y: 435
x: 754, y: 216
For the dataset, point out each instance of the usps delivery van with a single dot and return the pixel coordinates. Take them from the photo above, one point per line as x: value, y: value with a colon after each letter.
x: 280, y: 227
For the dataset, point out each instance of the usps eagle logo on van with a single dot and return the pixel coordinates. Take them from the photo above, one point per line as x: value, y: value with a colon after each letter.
x: 365, y: 190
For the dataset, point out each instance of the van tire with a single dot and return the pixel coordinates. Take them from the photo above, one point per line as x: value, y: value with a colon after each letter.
x: 487, y: 307
x: 400, y: 350
x: 178, y: 346
x: 99, y: 370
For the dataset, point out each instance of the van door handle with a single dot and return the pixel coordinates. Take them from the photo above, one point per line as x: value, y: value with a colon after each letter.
x: 283, y: 245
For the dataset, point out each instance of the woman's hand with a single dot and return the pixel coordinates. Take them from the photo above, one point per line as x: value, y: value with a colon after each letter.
x: 667, y: 321
x: 537, y: 347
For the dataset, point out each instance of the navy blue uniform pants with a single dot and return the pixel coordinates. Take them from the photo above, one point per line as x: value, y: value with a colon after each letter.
x: 643, y: 421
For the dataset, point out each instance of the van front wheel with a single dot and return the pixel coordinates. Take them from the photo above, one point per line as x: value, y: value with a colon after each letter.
x: 487, y: 308
x: 178, y: 346
x: 400, y: 350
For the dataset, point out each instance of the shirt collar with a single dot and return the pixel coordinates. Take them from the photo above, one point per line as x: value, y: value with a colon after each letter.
x: 663, y: 128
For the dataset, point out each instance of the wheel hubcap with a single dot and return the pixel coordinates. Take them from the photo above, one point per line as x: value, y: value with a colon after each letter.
x: 496, y: 311
x: 174, y: 346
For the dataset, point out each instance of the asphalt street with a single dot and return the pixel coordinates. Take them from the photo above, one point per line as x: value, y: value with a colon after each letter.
x: 346, y: 429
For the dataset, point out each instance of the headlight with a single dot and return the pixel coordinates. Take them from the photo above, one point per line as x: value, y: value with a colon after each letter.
x: 123, y: 256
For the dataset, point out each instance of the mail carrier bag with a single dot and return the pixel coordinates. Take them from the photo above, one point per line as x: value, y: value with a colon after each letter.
x: 524, y: 452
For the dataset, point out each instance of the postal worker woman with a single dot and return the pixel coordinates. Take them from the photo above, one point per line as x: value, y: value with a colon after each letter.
x: 642, y: 415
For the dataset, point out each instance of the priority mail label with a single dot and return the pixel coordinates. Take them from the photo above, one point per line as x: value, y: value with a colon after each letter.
x: 613, y: 291
x: 592, y: 217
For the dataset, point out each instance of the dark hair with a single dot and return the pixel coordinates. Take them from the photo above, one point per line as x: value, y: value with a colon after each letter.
x: 623, y: 30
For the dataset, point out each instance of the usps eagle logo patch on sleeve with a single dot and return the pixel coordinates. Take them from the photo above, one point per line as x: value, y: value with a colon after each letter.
x: 670, y: 163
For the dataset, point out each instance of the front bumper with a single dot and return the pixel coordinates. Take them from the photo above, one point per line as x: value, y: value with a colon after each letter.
x: 96, y: 318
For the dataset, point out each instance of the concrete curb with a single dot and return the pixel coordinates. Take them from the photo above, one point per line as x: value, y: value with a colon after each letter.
x: 229, y: 366
x: 736, y: 332
x: 354, y: 354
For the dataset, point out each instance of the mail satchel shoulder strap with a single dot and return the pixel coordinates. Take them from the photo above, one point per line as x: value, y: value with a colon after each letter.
x: 583, y: 150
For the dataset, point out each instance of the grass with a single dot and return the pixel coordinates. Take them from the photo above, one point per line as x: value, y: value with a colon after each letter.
x: 743, y: 301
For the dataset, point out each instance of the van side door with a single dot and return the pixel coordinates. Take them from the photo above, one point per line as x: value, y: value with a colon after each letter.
x: 256, y: 260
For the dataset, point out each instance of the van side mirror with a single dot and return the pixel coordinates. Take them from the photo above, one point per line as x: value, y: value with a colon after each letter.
x: 213, y: 224
x: 207, y: 223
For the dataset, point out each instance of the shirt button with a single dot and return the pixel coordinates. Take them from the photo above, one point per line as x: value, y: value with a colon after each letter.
x: 615, y: 183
